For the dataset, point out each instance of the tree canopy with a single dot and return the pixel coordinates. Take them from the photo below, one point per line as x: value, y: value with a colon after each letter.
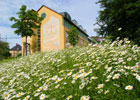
x: 73, y: 37
x: 25, y: 23
x: 119, y: 18
x: 4, y: 50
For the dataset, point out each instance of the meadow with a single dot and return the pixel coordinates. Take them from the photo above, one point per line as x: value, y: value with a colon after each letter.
x: 96, y: 72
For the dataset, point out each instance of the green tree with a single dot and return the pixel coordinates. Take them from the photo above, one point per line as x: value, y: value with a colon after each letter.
x: 73, y: 37
x: 26, y: 22
x: 4, y: 50
x: 119, y: 18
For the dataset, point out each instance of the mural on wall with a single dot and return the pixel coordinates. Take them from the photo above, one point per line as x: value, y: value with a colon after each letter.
x: 51, y: 34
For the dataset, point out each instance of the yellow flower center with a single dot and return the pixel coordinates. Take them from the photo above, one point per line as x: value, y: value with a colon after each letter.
x: 57, y: 86
x: 129, y: 87
x: 86, y: 97
x: 5, y: 95
x: 69, y: 97
x: 84, y: 74
x: 76, y: 77
x: 107, y: 92
x: 26, y: 98
x: 115, y: 77
x: 82, y: 98
x: 19, y: 94
x: 39, y: 88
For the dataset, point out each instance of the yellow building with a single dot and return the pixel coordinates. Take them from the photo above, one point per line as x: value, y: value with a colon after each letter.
x: 52, y: 34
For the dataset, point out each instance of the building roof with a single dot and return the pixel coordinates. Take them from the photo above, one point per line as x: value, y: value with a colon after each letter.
x: 76, y: 26
x: 16, y: 48
x: 67, y: 17
x: 48, y: 8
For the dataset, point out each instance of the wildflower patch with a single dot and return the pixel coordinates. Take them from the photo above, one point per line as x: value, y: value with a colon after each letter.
x: 95, y: 72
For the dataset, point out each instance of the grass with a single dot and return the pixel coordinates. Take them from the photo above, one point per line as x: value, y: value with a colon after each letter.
x: 105, y: 72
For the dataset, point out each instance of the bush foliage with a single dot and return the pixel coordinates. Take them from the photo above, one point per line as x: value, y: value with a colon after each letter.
x: 4, y: 50
x: 119, y: 18
x: 73, y: 37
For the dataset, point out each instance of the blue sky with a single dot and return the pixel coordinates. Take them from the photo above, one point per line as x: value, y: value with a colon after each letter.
x: 84, y: 11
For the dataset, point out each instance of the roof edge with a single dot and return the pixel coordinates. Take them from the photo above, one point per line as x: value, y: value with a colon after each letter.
x: 77, y: 26
x: 50, y: 9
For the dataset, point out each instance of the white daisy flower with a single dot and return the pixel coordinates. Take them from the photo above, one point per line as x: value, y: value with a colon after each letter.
x: 19, y: 94
x: 73, y: 81
x: 100, y: 86
x: 85, y: 98
x: 138, y: 77
x: 69, y: 73
x: 58, y: 80
x: 45, y: 87
x: 129, y: 87
x: 82, y: 71
x: 109, y: 76
x: 27, y: 97
x: 93, y: 77
x: 119, y: 29
x: 57, y: 86
x: 42, y: 96
x: 129, y: 59
x: 82, y: 86
x: 69, y: 97
x: 136, y: 67
x: 106, y: 92
x: 36, y: 94
x: 109, y: 69
x: 6, y: 95
x: 39, y: 89
x: 116, y: 76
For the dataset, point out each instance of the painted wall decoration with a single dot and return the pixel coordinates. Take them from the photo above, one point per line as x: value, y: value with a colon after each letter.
x: 51, y: 34
x: 28, y: 39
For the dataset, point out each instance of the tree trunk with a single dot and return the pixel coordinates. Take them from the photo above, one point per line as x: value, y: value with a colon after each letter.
x: 26, y: 45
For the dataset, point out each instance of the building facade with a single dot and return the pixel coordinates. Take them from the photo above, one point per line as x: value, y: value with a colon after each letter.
x: 15, y: 51
x: 52, y: 34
